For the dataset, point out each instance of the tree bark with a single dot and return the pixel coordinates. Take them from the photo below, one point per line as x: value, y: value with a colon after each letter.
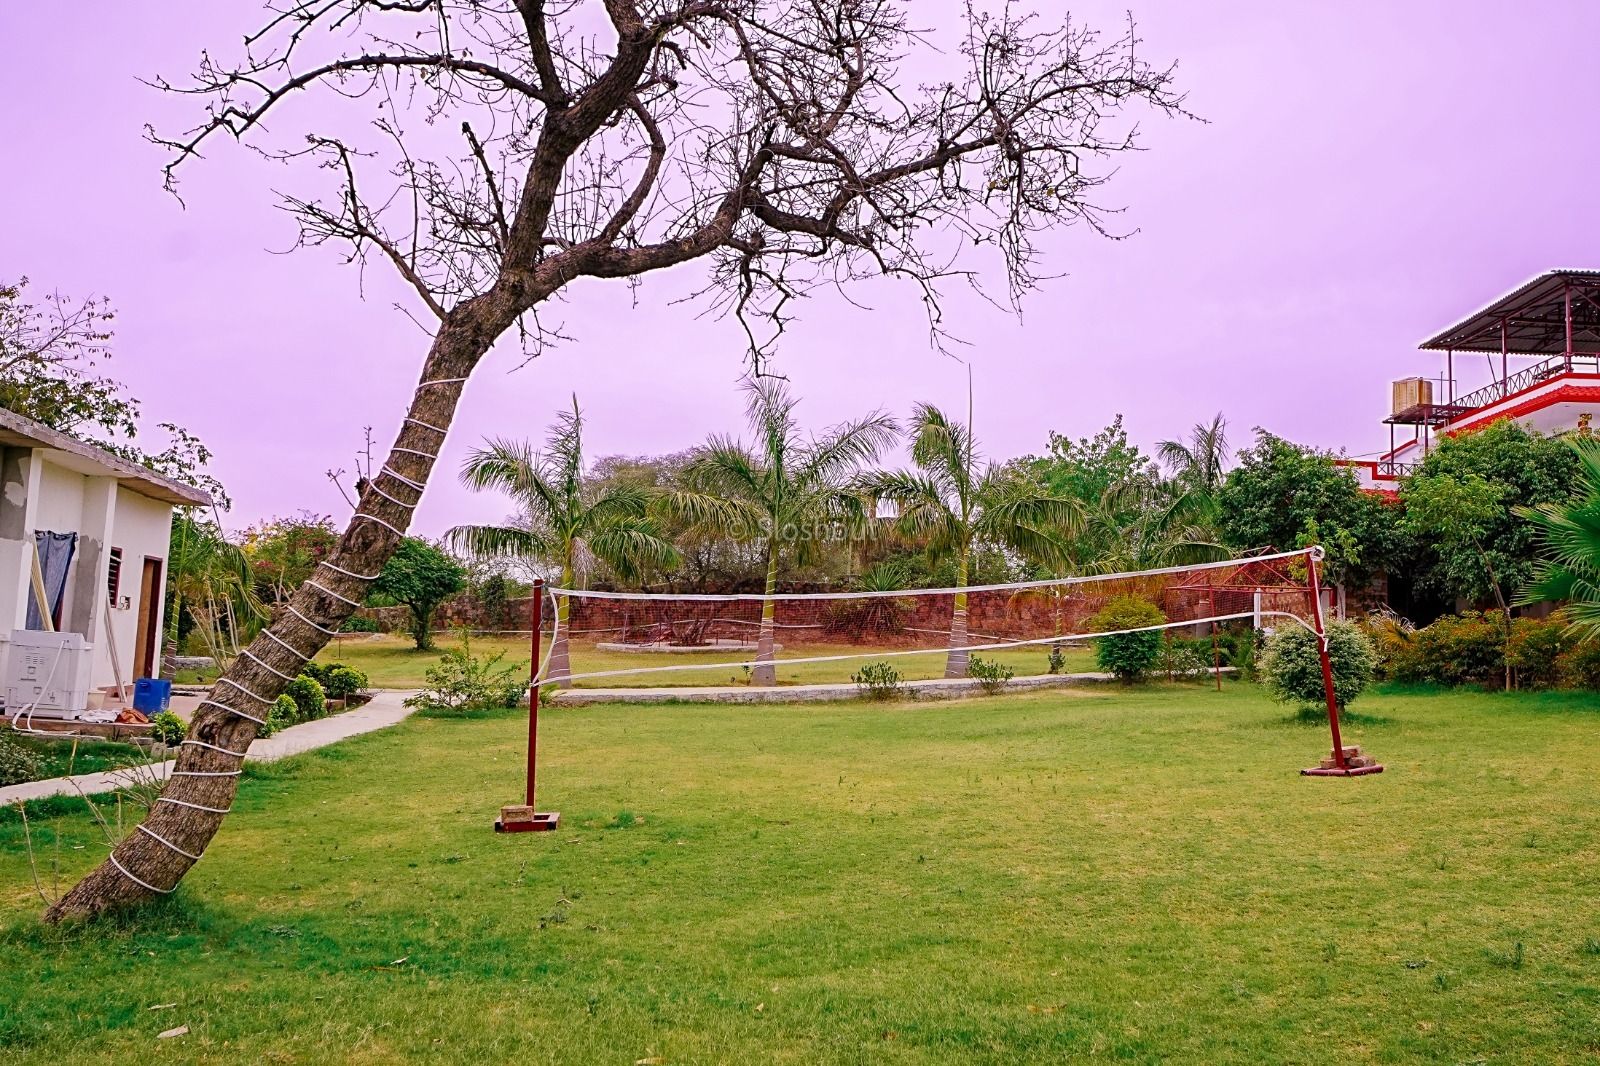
x: 153, y: 858
x: 765, y: 672
x: 955, y: 663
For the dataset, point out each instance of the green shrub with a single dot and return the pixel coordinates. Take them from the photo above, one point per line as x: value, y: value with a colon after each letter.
x: 1580, y: 665
x: 310, y: 700
x: 17, y: 763
x: 992, y: 676
x: 168, y: 728
x: 1535, y: 652
x: 342, y: 682
x: 1129, y: 656
x: 281, y: 716
x: 877, y: 681
x: 1058, y: 659
x: 1291, y: 668
x: 465, y: 682
x: 360, y: 624
x: 1186, y: 657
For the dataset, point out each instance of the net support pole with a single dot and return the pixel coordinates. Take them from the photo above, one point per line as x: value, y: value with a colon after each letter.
x: 527, y: 818
x: 1341, y: 763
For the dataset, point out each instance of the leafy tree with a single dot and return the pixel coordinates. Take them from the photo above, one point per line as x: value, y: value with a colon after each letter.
x: 50, y: 354
x: 560, y: 519
x: 1133, y: 518
x: 1568, y: 537
x: 952, y: 501
x: 420, y: 576
x: 1480, y: 477
x: 586, y: 157
x: 1284, y: 495
x: 283, y: 552
x: 785, y: 490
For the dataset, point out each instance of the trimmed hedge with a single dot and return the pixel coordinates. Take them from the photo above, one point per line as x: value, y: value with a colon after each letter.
x: 1473, y: 648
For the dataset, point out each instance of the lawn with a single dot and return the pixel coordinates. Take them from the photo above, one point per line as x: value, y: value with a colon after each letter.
x: 394, y: 662
x: 1061, y: 876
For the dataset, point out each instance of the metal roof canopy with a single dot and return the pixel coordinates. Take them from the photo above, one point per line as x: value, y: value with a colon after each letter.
x: 1532, y: 318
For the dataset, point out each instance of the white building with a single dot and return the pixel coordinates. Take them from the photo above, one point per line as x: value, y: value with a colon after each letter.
x: 1534, y: 355
x: 101, y: 526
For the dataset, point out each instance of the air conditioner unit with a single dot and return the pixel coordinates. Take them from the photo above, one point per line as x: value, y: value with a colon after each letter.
x: 47, y: 674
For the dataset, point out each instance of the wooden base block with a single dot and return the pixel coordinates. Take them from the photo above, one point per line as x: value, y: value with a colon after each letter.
x: 1353, y: 771
x: 540, y: 822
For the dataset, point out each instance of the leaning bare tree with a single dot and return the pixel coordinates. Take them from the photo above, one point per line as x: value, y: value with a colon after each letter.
x: 500, y: 150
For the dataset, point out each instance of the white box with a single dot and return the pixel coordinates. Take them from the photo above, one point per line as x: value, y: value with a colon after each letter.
x: 48, y: 672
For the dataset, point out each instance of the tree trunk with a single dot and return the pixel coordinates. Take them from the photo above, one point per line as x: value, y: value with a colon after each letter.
x: 560, y: 654
x: 955, y: 664
x: 765, y: 673
x: 154, y: 858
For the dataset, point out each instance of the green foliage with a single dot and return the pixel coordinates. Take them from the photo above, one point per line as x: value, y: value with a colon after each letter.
x: 1128, y: 656
x: 1291, y: 667
x: 464, y: 682
x: 1459, y: 504
x: 560, y: 517
x: 283, y: 552
x: 310, y: 701
x: 992, y: 676
x: 1283, y: 495
x: 421, y: 576
x: 282, y: 715
x: 344, y: 681
x: 17, y: 763
x: 357, y: 623
x: 492, y: 595
x: 1058, y: 659
x: 877, y: 681
x: 1473, y: 648
x: 168, y: 728
x: 871, y: 616
x: 1185, y: 657
x: 1568, y: 538
x: 1580, y: 665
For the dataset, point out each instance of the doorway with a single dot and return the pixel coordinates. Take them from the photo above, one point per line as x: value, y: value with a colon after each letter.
x: 147, y: 640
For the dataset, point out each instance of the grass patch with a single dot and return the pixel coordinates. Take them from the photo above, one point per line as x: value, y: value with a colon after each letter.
x: 60, y: 758
x: 1112, y: 873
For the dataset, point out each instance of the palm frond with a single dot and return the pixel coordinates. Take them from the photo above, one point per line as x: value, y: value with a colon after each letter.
x: 633, y: 547
x: 499, y: 542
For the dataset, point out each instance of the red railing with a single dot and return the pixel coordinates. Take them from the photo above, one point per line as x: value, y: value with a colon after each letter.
x: 1527, y: 378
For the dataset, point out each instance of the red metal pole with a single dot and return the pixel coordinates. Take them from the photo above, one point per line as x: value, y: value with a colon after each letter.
x: 1327, y: 665
x: 537, y: 612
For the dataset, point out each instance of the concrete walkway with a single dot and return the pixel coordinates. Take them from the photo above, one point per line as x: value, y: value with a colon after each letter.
x: 384, y: 709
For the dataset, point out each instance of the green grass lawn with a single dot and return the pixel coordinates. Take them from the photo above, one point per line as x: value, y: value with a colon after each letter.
x: 61, y: 757
x: 1061, y: 876
x: 394, y: 662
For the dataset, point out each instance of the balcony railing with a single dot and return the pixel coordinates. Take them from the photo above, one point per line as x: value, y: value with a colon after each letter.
x: 1528, y: 377
x: 1393, y: 468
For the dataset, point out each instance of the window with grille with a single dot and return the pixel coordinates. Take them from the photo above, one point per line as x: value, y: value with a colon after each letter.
x: 114, y: 576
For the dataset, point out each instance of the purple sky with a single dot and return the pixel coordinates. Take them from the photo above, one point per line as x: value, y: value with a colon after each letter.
x: 1369, y: 172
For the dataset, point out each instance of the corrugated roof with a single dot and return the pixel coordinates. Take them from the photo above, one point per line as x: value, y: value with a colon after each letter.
x: 19, y: 432
x: 1534, y: 318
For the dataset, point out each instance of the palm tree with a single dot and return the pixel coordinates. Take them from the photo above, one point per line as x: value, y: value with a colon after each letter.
x: 562, y: 519
x: 209, y: 579
x: 779, y: 490
x: 1201, y: 463
x: 951, y: 503
x: 1569, y: 534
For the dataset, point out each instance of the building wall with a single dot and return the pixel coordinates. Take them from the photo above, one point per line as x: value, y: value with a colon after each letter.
x: 142, y: 528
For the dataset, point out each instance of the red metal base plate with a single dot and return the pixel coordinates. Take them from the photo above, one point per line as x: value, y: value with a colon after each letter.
x: 542, y: 822
x: 1354, y: 771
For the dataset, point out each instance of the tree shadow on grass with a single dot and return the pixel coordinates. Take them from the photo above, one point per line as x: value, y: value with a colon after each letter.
x: 1318, y: 716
